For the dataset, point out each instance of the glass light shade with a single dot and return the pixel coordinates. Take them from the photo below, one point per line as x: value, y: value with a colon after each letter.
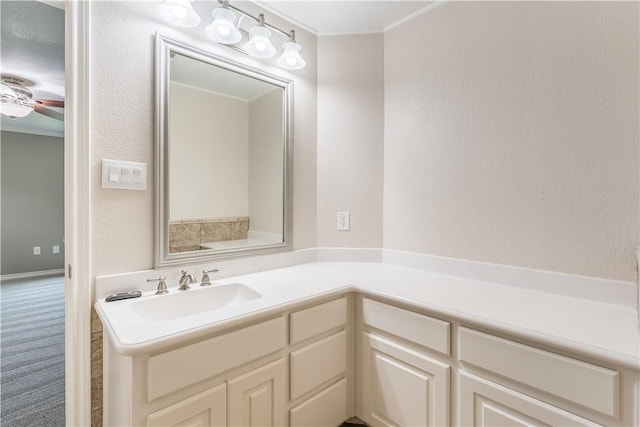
x: 7, y: 91
x: 179, y: 12
x: 222, y: 29
x: 290, y: 58
x: 259, y: 44
x: 15, y: 108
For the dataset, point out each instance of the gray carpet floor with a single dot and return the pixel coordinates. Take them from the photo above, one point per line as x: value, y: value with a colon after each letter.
x: 32, y: 352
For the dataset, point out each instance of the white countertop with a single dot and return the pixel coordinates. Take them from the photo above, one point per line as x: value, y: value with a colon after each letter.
x: 605, y: 331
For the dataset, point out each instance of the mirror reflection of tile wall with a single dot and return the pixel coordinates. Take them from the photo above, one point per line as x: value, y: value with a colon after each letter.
x: 191, y: 235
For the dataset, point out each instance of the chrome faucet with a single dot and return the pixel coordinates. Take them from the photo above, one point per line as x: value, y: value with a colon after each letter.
x: 186, y: 280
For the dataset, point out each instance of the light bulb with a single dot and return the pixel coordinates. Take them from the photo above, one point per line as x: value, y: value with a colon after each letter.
x: 290, y: 58
x: 222, y: 29
x: 179, y: 12
x: 259, y: 44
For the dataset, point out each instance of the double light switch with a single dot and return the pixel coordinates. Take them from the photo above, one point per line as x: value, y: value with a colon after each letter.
x: 124, y: 175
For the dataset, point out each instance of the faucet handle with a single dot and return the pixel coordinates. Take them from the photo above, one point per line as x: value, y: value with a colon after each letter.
x: 206, y: 281
x: 162, y: 284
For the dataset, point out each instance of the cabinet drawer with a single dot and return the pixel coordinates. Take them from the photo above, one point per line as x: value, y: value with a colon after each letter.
x: 318, y: 362
x: 171, y: 371
x: 327, y: 408
x: 424, y: 330
x: 315, y: 320
x: 578, y: 382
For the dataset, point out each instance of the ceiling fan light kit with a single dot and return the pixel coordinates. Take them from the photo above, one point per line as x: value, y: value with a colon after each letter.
x: 225, y: 29
x: 16, y: 100
x: 15, y: 108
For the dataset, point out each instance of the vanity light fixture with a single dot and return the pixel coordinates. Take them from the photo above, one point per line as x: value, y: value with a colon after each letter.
x: 179, y: 12
x: 290, y: 58
x: 259, y: 45
x: 226, y: 30
x: 223, y: 29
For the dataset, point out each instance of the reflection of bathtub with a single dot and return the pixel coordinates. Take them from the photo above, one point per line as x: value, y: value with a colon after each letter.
x: 254, y: 238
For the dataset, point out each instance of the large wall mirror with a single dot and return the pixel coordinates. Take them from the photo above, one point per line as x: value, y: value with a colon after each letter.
x: 223, y: 161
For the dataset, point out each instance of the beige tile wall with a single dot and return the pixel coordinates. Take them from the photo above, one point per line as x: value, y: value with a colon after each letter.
x: 188, y: 235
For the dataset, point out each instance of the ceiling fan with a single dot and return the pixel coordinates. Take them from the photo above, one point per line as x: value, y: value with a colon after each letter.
x: 16, y: 100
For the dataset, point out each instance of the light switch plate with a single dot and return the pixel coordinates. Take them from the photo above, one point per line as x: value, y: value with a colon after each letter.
x: 124, y: 175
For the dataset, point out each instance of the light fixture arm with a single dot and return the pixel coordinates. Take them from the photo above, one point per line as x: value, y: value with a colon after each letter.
x: 261, y: 21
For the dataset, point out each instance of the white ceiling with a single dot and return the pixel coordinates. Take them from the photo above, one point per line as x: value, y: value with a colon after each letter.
x: 330, y: 17
x: 32, y: 47
x: 192, y: 72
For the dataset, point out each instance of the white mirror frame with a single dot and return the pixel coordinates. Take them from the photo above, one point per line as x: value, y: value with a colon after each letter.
x: 162, y: 257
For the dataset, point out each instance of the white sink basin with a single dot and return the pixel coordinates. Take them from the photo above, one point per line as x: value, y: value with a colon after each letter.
x: 195, y: 301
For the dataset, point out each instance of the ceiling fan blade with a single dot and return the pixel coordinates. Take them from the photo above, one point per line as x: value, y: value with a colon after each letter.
x: 50, y: 103
x: 49, y: 113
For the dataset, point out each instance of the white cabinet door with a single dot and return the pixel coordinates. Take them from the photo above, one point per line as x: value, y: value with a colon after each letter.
x: 257, y: 398
x: 484, y: 403
x: 402, y: 387
x: 208, y: 408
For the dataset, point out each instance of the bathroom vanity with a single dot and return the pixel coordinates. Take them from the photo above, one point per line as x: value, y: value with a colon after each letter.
x: 389, y: 344
x: 293, y: 364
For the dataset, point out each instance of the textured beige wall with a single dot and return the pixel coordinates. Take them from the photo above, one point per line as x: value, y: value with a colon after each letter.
x: 511, y: 135
x: 122, y: 110
x: 350, y: 138
x: 209, y: 151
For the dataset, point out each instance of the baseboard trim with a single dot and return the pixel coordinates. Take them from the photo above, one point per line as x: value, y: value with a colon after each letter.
x: 32, y: 274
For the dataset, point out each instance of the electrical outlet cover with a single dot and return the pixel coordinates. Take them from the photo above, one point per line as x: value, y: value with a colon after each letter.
x: 343, y: 221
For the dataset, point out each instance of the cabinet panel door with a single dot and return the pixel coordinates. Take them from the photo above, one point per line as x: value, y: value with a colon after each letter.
x: 401, y: 386
x: 257, y: 398
x: 208, y: 408
x: 483, y: 403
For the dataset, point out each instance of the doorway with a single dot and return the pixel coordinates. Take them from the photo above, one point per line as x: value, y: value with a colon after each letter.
x: 32, y: 289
